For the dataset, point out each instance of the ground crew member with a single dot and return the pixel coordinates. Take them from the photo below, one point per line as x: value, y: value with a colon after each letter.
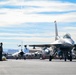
x: 1, y: 50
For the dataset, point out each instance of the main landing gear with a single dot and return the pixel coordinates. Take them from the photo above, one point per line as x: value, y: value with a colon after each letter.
x: 66, y: 55
x: 50, y: 58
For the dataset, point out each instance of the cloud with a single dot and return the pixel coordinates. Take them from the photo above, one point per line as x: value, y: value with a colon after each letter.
x: 30, y: 13
x: 26, y: 35
x: 18, y: 14
x: 70, y: 28
x: 13, y: 18
x: 29, y: 40
x: 41, y: 6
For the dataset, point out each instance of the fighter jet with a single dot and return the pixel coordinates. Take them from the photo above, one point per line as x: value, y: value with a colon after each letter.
x: 20, y: 54
x: 63, y: 45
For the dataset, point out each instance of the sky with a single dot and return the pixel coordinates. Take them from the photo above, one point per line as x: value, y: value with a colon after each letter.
x: 32, y: 21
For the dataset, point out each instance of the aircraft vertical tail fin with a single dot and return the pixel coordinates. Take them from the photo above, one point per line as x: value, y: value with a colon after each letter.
x: 56, y: 31
x: 21, y: 46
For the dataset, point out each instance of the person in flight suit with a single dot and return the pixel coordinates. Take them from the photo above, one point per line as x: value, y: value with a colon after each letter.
x: 1, y: 50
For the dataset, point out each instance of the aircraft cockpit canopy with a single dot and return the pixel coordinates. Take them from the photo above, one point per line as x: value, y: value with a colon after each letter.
x: 67, y: 36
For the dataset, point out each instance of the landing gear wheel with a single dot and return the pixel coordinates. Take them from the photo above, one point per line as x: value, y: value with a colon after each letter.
x: 50, y: 58
x: 24, y: 58
x: 70, y: 58
x: 65, y: 58
x: 16, y: 58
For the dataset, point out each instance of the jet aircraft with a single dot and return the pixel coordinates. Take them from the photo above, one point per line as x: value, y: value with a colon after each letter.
x: 63, y: 45
x: 20, y: 54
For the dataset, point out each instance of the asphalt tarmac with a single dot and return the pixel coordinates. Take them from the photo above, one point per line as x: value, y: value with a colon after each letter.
x: 37, y: 67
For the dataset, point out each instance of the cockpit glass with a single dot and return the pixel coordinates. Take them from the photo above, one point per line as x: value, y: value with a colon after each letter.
x: 67, y: 36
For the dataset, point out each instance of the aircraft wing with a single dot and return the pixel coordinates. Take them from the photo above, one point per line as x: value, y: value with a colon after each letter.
x: 56, y: 43
x: 45, y: 45
x: 40, y: 45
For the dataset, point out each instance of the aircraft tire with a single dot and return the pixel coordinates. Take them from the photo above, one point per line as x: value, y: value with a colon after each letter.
x: 16, y: 58
x: 24, y: 58
x: 50, y: 58
x: 65, y: 59
x: 70, y: 58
